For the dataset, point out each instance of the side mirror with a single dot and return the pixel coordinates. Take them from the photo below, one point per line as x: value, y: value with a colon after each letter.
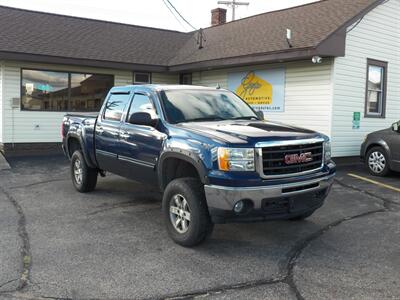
x: 260, y: 114
x: 142, y: 118
x: 396, y: 126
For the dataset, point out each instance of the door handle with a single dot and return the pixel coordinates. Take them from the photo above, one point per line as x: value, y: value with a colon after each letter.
x: 99, y: 129
x: 124, y: 134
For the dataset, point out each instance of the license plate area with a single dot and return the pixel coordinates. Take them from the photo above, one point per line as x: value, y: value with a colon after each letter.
x: 294, y: 203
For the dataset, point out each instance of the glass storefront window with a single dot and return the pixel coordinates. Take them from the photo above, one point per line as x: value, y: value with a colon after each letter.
x: 44, y: 90
x: 63, y: 91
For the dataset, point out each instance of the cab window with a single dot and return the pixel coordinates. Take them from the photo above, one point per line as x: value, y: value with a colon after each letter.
x: 115, y: 106
x: 141, y: 103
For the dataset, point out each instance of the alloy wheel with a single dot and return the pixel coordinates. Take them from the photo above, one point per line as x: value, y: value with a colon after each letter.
x: 377, y: 162
x: 179, y: 213
x: 78, y: 171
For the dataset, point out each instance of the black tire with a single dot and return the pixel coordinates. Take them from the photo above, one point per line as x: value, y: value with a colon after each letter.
x: 303, y: 216
x: 376, y: 154
x: 200, y: 226
x: 88, y: 180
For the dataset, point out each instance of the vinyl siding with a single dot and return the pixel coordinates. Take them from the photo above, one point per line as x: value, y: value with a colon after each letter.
x: 31, y: 126
x: 377, y: 37
x: 163, y: 78
x: 308, y: 92
x: 1, y: 102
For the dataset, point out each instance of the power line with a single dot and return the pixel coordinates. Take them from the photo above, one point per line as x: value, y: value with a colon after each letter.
x: 180, y: 15
x: 176, y: 18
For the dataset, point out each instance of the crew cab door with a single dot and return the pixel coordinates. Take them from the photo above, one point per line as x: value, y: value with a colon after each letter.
x: 107, y: 131
x: 140, y: 145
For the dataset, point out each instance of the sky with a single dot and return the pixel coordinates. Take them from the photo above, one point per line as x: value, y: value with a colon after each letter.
x: 152, y: 13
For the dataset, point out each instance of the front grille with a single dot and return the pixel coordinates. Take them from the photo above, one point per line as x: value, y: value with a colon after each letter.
x: 273, y: 159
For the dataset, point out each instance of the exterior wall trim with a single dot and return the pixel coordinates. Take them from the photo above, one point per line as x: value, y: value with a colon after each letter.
x: 37, y: 58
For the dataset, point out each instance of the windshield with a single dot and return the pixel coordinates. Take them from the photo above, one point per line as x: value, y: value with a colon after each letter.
x: 204, y: 105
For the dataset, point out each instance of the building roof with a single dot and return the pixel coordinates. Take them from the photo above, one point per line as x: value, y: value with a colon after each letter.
x: 318, y: 28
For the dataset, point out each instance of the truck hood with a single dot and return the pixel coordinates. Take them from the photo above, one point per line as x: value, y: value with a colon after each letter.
x: 239, y: 132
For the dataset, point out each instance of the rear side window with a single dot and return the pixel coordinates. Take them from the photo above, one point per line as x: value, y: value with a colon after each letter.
x: 115, y: 106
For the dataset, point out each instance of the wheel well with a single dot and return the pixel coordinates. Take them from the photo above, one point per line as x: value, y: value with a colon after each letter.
x: 73, y: 145
x: 174, y: 168
x: 372, y: 146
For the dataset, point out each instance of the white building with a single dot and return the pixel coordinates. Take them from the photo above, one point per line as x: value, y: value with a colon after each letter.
x: 51, y: 64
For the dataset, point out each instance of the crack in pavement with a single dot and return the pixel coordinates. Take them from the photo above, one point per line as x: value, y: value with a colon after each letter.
x: 23, y: 234
x: 386, y: 202
x: 288, y: 265
x: 291, y: 259
x: 150, y: 206
x: 298, y: 249
x: 292, y: 256
x: 8, y: 282
x: 36, y: 183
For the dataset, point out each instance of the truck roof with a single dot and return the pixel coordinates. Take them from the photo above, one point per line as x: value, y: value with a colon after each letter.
x: 161, y: 87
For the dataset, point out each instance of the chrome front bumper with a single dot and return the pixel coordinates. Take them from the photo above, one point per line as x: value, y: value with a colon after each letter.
x: 224, y: 198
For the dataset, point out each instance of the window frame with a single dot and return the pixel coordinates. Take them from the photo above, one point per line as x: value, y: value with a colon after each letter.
x: 69, y: 89
x: 384, y: 65
x: 104, y: 107
x: 128, y: 112
x: 182, y: 75
x: 139, y: 82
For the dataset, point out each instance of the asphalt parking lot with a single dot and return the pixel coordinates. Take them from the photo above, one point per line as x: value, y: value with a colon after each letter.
x: 111, y: 244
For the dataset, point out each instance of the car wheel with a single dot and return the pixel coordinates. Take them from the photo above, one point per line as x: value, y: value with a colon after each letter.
x: 84, y: 178
x: 185, y: 211
x: 377, y: 161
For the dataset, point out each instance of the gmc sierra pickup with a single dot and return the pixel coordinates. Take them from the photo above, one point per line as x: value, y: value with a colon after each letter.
x: 214, y: 158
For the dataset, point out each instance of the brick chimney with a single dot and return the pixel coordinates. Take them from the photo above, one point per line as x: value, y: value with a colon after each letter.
x: 218, y: 16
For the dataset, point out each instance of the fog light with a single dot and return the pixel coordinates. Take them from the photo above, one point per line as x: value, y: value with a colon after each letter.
x: 239, y: 206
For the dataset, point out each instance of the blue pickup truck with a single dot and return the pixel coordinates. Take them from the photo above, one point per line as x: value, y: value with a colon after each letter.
x: 214, y: 158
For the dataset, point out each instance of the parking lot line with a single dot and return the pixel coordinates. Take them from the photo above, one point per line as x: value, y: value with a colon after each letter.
x: 375, y: 182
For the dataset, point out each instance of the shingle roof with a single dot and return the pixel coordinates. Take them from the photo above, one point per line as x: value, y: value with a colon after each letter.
x: 60, y: 36
x: 65, y: 36
x: 266, y: 33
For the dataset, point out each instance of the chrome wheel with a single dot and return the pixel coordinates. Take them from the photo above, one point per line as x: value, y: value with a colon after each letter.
x: 78, y: 171
x: 179, y: 213
x: 377, y: 162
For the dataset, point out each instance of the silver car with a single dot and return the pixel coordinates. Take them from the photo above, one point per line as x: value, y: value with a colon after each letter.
x: 381, y: 150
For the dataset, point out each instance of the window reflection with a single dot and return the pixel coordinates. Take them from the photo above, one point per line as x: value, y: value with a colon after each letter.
x: 63, y: 91
x: 88, y: 91
x: 43, y: 90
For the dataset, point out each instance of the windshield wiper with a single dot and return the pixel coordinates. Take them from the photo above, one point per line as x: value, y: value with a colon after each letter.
x: 209, y: 118
x: 245, y: 118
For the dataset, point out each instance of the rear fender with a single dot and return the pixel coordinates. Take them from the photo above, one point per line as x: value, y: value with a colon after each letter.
x: 85, y: 151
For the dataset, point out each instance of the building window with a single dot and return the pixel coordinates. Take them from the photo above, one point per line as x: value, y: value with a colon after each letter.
x: 185, y: 78
x: 63, y: 91
x: 375, y: 101
x: 141, y: 78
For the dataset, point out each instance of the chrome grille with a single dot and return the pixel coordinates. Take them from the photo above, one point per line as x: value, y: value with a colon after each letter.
x: 273, y: 159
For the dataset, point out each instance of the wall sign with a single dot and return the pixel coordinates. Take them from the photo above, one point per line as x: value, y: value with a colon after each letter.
x: 356, y: 120
x: 263, y: 90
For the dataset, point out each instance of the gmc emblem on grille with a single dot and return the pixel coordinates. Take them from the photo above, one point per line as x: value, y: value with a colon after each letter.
x: 291, y: 159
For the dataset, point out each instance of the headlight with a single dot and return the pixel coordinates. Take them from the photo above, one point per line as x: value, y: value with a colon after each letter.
x: 236, y: 159
x: 327, y: 151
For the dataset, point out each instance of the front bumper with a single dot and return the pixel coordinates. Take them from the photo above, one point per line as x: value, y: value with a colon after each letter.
x: 282, y: 201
